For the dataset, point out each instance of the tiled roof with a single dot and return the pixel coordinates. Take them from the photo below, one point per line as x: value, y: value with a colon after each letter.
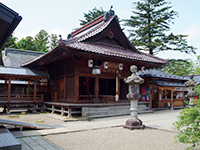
x: 14, y: 57
x: 84, y: 39
x: 113, y: 50
x: 22, y: 72
x: 79, y: 42
x: 166, y: 83
x: 160, y: 74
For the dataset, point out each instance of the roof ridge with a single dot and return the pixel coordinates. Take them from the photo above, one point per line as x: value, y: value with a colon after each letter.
x: 22, y: 50
x: 166, y: 60
x: 98, y: 28
x: 88, y: 25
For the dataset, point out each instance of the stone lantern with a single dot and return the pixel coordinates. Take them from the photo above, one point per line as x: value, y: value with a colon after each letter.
x: 134, y: 95
x: 190, y: 84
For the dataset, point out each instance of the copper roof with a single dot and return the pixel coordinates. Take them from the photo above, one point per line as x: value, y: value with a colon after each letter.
x: 86, y: 39
x: 14, y: 57
x: 21, y: 72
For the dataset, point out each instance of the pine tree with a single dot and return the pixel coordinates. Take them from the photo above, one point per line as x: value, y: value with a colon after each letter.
x: 92, y: 15
x: 150, y: 24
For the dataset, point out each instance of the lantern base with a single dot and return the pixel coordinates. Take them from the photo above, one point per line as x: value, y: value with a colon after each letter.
x: 134, y: 124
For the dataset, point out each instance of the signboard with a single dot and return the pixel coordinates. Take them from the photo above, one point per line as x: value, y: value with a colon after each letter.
x: 181, y: 89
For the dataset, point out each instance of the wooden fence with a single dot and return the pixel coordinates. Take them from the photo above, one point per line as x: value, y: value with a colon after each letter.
x: 21, y: 98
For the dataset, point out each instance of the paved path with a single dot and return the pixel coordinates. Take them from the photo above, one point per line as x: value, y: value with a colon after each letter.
x: 107, y: 133
x: 158, y: 119
x: 37, y: 143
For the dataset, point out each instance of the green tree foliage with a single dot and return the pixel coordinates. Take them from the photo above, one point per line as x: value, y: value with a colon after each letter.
x: 150, y: 24
x: 188, y: 124
x: 26, y: 43
x: 41, y: 41
x: 91, y: 15
x: 53, y: 40
x: 196, y: 70
x: 179, y: 67
x: 197, y: 66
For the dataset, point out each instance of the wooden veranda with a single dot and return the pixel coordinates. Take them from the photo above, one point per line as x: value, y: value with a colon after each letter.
x: 7, y: 99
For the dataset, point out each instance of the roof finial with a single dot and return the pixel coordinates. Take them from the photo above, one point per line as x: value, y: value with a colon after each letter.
x: 109, y: 14
x: 60, y: 37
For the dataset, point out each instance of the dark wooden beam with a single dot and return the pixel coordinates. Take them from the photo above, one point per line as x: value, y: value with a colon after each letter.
x: 96, y: 90
x: 34, y: 96
x: 9, y: 89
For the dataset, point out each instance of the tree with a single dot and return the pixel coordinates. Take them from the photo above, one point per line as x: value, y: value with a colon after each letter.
x: 91, y: 15
x: 41, y: 41
x: 188, y: 124
x: 53, y: 40
x: 197, y: 67
x: 26, y: 43
x: 179, y: 67
x: 150, y: 24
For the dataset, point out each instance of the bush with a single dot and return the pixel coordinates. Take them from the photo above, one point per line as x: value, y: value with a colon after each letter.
x: 188, y: 124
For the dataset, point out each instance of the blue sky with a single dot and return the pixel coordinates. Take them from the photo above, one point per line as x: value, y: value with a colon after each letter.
x: 61, y: 16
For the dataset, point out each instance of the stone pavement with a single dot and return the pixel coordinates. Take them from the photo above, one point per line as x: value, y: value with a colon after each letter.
x: 37, y: 143
x: 158, y: 119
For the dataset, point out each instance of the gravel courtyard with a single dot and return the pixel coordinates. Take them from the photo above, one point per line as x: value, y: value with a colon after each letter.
x: 106, y: 133
x: 117, y: 138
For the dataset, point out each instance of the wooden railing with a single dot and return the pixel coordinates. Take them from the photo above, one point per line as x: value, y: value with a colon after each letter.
x: 21, y: 98
x: 103, y: 98
x: 176, y: 102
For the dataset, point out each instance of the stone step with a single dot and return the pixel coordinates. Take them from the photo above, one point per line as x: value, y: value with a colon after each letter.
x: 111, y: 111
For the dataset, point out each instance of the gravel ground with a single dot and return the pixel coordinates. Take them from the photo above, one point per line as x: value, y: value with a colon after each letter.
x: 43, y: 118
x: 117, y: 138
x: 110, y: 138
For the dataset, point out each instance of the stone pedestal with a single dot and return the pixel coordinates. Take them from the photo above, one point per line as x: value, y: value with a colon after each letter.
x: 134, y: 95
x: 134, y: 124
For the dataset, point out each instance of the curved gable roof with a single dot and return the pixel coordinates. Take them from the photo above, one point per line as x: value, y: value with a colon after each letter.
x: 88, y: 39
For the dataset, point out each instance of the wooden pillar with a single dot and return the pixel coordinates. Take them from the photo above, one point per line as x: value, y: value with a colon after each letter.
x: 76, y: 88
x: 9, y: 89
x: 96, y: 88
x: 65, y: 88
x: 172, y: 102
x: 34, y: 95
x: 29, y: 82
x: 76, y: 80
x: 150, y: 96
x: 65, y: 82
x: 162, y: 95
x: 5, y: 87
x: 9, y: 92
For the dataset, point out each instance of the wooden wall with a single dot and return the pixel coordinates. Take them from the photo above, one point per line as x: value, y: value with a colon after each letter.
x: 64, y: 77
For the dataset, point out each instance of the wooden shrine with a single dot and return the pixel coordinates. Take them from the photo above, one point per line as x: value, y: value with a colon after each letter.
x: 162, y: 89
x: 89, y: 66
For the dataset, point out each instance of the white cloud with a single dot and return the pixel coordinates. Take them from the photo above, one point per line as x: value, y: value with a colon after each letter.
x: 193, y: 31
